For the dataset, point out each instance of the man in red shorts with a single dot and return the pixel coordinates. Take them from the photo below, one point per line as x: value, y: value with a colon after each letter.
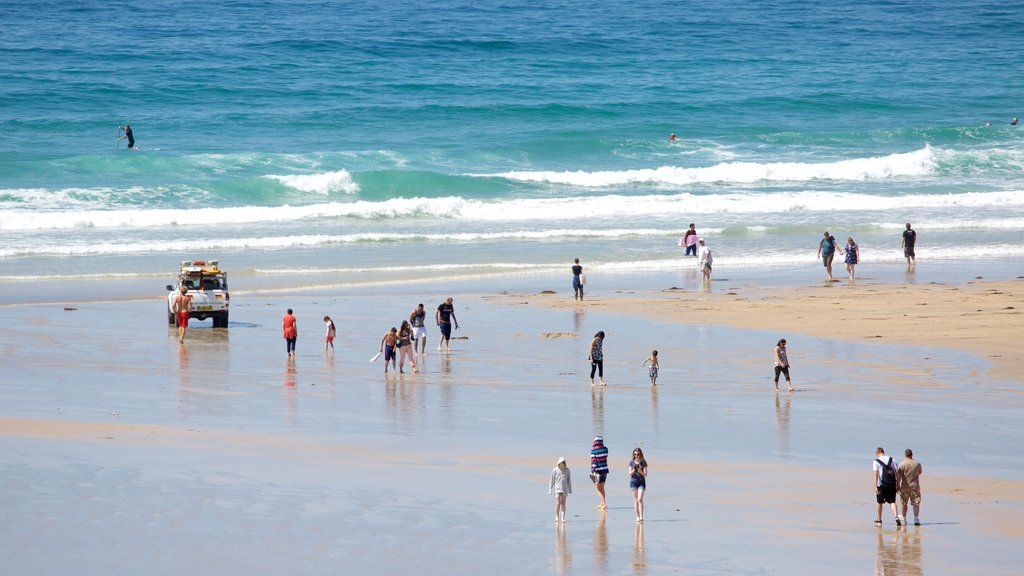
x: 182, y: 307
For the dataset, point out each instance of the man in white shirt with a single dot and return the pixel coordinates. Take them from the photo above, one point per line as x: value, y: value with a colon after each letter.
x: 886, y: 484
x: 704, y: 259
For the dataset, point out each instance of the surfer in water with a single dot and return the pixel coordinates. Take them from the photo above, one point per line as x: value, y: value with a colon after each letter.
x: 1014, y: 121
x: 672, y: 137
x: 127, y: 129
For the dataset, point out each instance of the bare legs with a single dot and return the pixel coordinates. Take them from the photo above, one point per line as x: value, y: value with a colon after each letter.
x: 638, y: 503
x: 560, y: 507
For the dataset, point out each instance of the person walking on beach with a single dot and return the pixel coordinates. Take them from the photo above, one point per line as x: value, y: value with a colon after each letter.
x: 597, y: 357
x: 599, y: 468
x: 909, y: 240
x: 331, y: 332
x: 886, y: 484
x: 577, y: 280
x: 852, y: 255
x: 690, y: 240
x: 444, y: 317
x: 387, y: 346
x: 653, y: 370
x: 826, y: 251
x: 782, y: 364
x: 704, y: 259
x: 291, y: 332
x: 561, y: 487
x: 638, y: 482
x: 419, y: 331
x: 127, y: 129
x: 182, y: 308
x: 910, y: 486
x: 405, y: 347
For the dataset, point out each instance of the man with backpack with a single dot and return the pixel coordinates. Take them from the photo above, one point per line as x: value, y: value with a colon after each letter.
x: 886, y: 484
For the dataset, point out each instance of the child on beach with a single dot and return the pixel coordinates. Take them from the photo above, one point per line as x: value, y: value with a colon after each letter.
x: 329, y: 338
x: 561, y: 487
x: 852, y: 257
x: 653, y: 370
x: 638, y: 482
x: 387, y: 346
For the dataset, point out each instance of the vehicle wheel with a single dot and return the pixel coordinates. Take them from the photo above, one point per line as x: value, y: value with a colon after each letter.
x: 220, y: 320
x: 171, y: 320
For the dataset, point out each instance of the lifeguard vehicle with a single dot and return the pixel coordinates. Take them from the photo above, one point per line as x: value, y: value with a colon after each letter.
x: 208, y: 286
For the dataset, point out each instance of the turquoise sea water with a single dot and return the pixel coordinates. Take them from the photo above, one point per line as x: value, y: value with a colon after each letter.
x: 446, y: 138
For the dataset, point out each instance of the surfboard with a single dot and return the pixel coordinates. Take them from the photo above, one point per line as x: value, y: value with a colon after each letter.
x: 375, y: 356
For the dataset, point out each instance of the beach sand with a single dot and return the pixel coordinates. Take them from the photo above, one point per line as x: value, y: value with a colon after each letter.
x: 122, y: 449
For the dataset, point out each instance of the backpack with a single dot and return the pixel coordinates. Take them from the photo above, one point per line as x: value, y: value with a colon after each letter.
x: 888, y: 475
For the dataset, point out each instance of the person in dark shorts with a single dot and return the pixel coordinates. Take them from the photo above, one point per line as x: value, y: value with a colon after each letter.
x: 827, y: 251
x: 887, y: 484
x: 127, y: 129
x: 909, y: 240
x: 782, y: 364
x: 690, y: 240
x: 445, y: 316
x: 599, y: 468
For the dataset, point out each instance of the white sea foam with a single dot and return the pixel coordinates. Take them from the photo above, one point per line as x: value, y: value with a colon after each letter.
x: 307, y: 240
x: 322, y: 183
x: 568, y: 209
x: 917, y: 163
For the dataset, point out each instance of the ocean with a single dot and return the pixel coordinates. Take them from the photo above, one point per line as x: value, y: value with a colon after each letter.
x: 347, y: 144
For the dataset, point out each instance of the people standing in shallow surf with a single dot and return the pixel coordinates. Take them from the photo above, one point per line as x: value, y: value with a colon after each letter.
x: 852, y: 255
x: 704, y: 260
x: 419, y: 331
x: 909, y: 241
x: 128, y: 134
x: 690, y: 240
x: 577, y: 280
x: 827, y: 251
x: 599, y: 468
x: 596, y: 357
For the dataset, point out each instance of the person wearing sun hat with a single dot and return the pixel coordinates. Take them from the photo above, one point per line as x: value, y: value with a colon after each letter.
x: 599, y: 468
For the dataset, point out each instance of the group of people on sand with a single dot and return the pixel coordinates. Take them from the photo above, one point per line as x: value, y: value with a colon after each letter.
x: 890, y: 479
x: 398, y: 344
x: 560, y: 484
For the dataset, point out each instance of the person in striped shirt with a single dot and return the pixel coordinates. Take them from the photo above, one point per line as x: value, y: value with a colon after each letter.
x: 599, y: 468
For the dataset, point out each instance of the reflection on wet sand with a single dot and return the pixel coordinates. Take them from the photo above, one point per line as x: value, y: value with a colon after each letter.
x: 597, y: 409
x: 290, y: 383
x: 639, y: 555
x: 563, y: 554
x: 654, y: 407
x: 782, y: 422
x: 899, y: 552
x: 601, y: 546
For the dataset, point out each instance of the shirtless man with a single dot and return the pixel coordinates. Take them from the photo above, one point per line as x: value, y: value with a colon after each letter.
x: 182, y: 307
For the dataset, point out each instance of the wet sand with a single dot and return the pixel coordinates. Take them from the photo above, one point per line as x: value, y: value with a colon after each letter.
x: 122, y: 450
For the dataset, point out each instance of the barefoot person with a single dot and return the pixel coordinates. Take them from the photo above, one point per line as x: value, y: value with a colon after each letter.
x: 419, y: 331
x: 182, y: 307
x: 405, y: 347
x: 909, y: 240
x: 852, y: 256
x: 445, y: 316
x: 599, y: 468
x: 577, y: 280
x: 827, y: 251
x: 653, y: 370
x: 329, y: 337
x: 387, y: 346
x: 782, y: 364
x: 561, y: 487
x: 704, y: 259
x: 596, y: 357
x: 291, y: 332
x: 690, y: 240
x: 638, y: 482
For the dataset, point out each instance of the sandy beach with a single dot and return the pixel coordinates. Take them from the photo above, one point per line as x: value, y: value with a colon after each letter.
x: 123, y: 449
